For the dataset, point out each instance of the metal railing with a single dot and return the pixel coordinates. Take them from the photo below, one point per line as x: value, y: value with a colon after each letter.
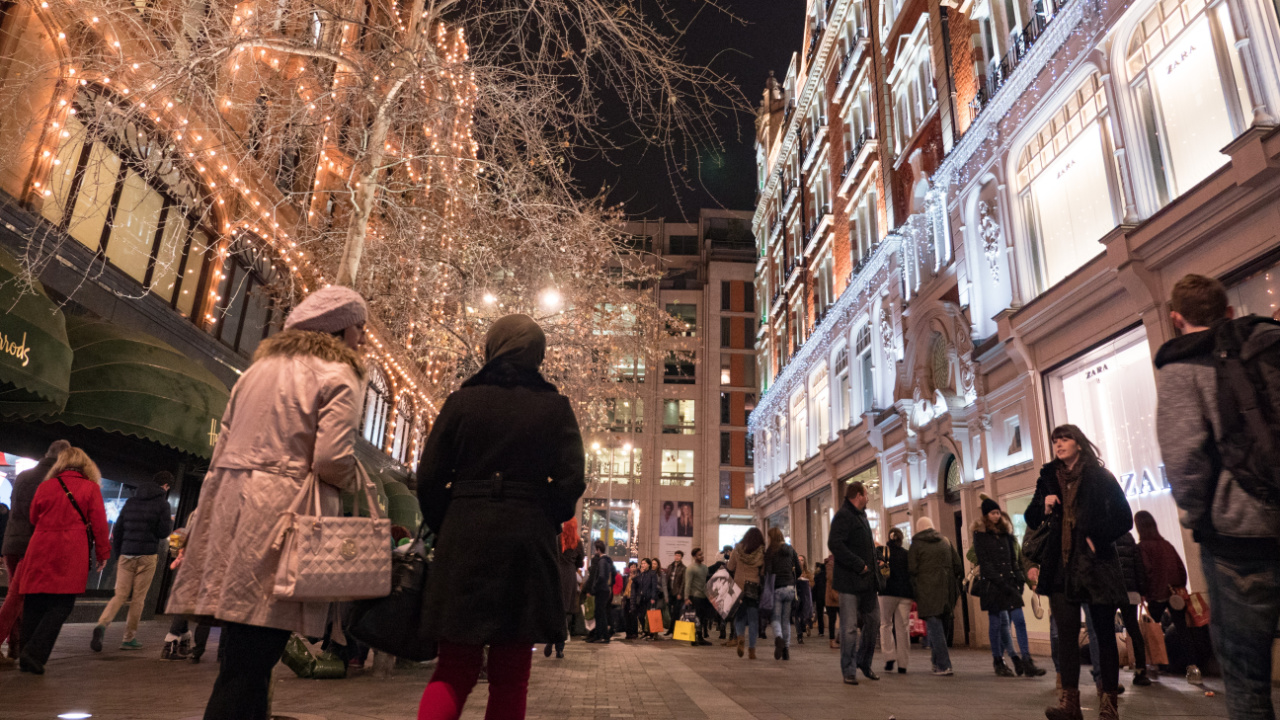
x: 852, y: 158
x: 1020, y: 45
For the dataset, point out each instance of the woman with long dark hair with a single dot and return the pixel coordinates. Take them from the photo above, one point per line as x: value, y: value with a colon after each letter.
x: 1080, y: 568
x: 896, y: 597
x: 502, y: 469
x: 745, y: 562
x: 781, y: 561
x: 1166, y: 574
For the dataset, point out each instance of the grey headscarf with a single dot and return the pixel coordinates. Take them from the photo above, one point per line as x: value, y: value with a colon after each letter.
x: 516, y: 339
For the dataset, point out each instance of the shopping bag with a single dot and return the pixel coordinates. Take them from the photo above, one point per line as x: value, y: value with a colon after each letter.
x: 915, y: 624
x: 589, y: 606
x: 686, y: 628
x: 306, y: 664
x: 1124, y: 646
x: 723, y: 592
x: 655, y: 621
x: 1153, y: 636
x: 1198, y: 610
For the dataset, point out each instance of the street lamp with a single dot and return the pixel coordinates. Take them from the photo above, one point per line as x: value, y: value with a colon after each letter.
x: 551, y: 299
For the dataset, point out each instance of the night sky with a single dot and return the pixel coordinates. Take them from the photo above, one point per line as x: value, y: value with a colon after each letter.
x: 719, y: 177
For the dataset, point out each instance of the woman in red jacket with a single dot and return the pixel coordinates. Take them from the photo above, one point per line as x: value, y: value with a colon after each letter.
x: 67, y: 507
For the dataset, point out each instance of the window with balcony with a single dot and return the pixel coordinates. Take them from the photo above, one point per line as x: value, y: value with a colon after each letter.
x: 679, y: 367
x: 684, y: 319
x: 104, y: 190
x: 1067, y: 184
x: 1188, y: 80
x: 798, y: 323
x: 678, y: 417
x: 914, y: 92
x: 629, y: 367
x: 864, y: 224
x: 677, y: 467
x: 624, y: 415
x: 824, y: 286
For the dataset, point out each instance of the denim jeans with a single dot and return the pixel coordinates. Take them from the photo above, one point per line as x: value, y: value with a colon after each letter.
x: 1244, y: 596
x: 857, y: 646
x: 1019, y: 621
x: 937, y: 636
x: 747, y: 622
x: 783, y: 598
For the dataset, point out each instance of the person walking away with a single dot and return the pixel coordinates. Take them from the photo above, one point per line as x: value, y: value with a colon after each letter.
x: 17, y: 535
x: 292, y: 414
x: 675, y: 589
x: 745, y: 562
x: 1080, y: 568
x: 936, y: 572
x: 143, y: 522
x: 1218, y: 386
x: 853, y: 547
x: 504, y: 463
x: 1165, y: 575
x: 803, y: 612
x: 819, y: 596
x: 1001, y: 578
x: 895, y: 602
x: 568, y: 562
x: 831, y: 603
x: 67, y: 509
x: 783, y: 563
x: 600, y: 582
x: 695, y: 594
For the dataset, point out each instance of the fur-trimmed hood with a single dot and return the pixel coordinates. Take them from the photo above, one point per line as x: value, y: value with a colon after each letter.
x: 1004, y: 528
x: 304, y: 342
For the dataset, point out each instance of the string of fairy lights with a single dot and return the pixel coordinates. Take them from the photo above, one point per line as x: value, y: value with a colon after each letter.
x: 257, y: 206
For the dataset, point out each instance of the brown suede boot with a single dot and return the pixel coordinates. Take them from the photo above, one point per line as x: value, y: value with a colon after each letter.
x: 742, y: 642
x: 751, y: 653
x: 1108, y: 706
x: 1068, y: 707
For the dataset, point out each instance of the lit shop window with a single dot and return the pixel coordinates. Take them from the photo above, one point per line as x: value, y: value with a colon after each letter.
x: 1189, y: 85
x: 1067, y: 185
x: 114, y: 189
x: 377, y: 407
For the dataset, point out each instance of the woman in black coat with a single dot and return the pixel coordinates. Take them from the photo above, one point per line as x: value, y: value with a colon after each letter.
x: 1079, y: 566
x: 502, y: 469
x: 570, y: 562
x: 999, y: 588
x: 896, y: 595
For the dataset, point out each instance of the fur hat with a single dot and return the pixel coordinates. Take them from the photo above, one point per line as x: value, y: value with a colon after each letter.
x: 328, y: 310
x: 988, y: 505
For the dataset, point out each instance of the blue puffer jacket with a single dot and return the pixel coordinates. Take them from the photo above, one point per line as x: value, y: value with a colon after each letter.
x: 144, y: 521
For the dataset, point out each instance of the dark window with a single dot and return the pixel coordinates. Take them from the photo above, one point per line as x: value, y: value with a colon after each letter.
x: 679, y: 368
x: 726, y: 295
x: 749, y: 296
x: 724, y: 408
x: 245, y: 314
x: 684, y: 319
x: 684, y: 245
x: 726, y: 331
x: 726, y: 488
x: 751, y: 450
x: 726, y: 448
x: 636, y: 243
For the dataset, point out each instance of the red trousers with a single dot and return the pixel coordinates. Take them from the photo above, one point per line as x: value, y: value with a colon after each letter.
x: 456, y: 673
x: 11, y: 611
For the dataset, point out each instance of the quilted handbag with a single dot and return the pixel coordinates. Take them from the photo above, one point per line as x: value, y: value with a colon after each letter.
x: 325, y: 558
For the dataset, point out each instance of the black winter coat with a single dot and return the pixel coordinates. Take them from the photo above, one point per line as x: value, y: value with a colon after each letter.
x: 899, y: 582
x: 1002, y: 578
x: 1102, y: 515
x: 143, y: 522
x: 820, y: 585
x: 18, y: 532
x: 1135, y: 573
x: 854, y: 548
x: 501, y: 471
x: 569, y: 562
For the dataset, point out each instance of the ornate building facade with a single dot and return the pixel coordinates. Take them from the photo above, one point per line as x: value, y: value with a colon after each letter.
x: 971, y: 216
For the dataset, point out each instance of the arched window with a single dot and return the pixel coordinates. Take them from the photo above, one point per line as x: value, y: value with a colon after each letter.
x: 1186, y: 75
x: 120, y: 191
x: 1067, y: 185
x: 376, y: 409
x: 402, y: 440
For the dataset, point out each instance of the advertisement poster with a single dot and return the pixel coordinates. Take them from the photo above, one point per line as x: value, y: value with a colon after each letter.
x: 675, y: 530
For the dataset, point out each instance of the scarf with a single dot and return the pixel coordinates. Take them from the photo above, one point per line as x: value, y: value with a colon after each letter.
x: 1069, y: 479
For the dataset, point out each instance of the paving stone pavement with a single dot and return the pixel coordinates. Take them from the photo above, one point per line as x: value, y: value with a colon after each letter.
x: 638, y: 680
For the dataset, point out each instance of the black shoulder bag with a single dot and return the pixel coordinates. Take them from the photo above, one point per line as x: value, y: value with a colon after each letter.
x: 393, y: 624
x: 88, y: 529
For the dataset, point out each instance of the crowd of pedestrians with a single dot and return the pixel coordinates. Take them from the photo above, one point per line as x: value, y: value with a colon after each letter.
x: 502, y: 472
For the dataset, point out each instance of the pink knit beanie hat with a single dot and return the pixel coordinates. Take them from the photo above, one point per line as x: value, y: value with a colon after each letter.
x: 328, y: 310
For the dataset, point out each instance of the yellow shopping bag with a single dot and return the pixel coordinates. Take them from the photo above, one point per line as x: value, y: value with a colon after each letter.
x: 685, y: 631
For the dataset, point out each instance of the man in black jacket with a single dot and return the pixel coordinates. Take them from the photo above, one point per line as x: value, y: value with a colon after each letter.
x: 854, y: 548
x: 145, y: 520
x: 601, y: 584
x: 17, y: 534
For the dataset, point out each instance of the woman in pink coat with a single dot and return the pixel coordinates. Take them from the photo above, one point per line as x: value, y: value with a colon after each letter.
x: 66, y: 509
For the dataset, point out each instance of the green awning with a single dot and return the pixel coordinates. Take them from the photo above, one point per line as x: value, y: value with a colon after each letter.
x: 128, y: 382
x: 35, y: 359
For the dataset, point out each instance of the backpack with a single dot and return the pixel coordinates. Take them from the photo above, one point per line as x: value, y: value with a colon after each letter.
x: 1249, y: 410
